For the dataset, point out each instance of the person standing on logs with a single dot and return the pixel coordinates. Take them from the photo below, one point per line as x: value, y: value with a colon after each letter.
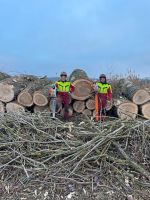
x: 64, y: 88
x: 104, y: 93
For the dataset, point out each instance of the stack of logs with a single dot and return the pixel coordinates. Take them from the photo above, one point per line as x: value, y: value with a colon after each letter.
x: 27, y: 92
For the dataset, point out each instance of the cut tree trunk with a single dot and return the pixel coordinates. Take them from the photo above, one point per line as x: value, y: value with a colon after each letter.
x: 37, y: 109
x: 2, y: 107
x: 87, y: 112
x: 83, y: 89
x: 11, y: 87
x: 134, y: 93
x: 145, y: 110
x: 90, y: 104
x: 25, y: 98
x: 125, y: 110
x: 69, y: 109
x: 40, y: 98
x: 14, y: 107
x: 78, y: 74
x: 79, y: 106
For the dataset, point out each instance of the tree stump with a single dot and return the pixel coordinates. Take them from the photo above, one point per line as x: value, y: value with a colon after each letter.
x: 78, y: 74
x: 79, y: 106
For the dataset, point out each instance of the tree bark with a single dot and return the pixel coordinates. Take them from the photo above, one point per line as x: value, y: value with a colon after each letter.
x: 14, y: 107
x: 25, y: 98
x: 78, y: 74
x: 3, y: 76
x: 83, y: 89
x: 145, y: 110
x: 134, y: 93
x: 124, y: 109
x: 79, y: 106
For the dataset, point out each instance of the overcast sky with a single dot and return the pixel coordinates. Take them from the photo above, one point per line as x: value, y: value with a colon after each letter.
x: 102, y: 36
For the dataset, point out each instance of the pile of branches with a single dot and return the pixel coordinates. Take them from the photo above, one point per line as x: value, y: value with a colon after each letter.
x: 49, y: 159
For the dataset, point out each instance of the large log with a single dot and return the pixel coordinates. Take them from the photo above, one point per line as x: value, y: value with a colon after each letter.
x: 78, y: 74
x: 10, y: 88
x: 87, y: 112
x: 83, y: 89
x: 145, y: 110
x: 2, y: 107
x: 79, y: 106
x: 25, y: 97
x: 37, y: 109
x: 70, y: 111
x: 14, y: 107
x: 90, y: 104
x: 134, y: 93
x: 125, y: 110
x: 40, y: 98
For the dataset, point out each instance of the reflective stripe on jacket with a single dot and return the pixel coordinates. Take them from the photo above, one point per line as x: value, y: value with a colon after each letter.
x: 63, y: 86
x: 103, y: 88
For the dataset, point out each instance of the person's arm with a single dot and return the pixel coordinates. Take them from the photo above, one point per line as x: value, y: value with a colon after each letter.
x: 109, y: 93
x: 72, y: 88
x: 56, y: 85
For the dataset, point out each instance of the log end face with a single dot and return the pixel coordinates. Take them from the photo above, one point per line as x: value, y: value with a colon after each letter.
x: 141, y: 97
x: 146, y: 110
x: 40, y: 109
x: 79, y: 106
x: 90, y: 104
x: 83, y: 89
x: 6, y: 93
x: 14, y: 107
x: 87, y: 112
x: 40, y: 99
x: 127, y: 111
x: 25, y: 99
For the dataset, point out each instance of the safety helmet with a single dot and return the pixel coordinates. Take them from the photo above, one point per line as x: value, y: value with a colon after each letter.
x: 102, y: 76
x: 63, y: 74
